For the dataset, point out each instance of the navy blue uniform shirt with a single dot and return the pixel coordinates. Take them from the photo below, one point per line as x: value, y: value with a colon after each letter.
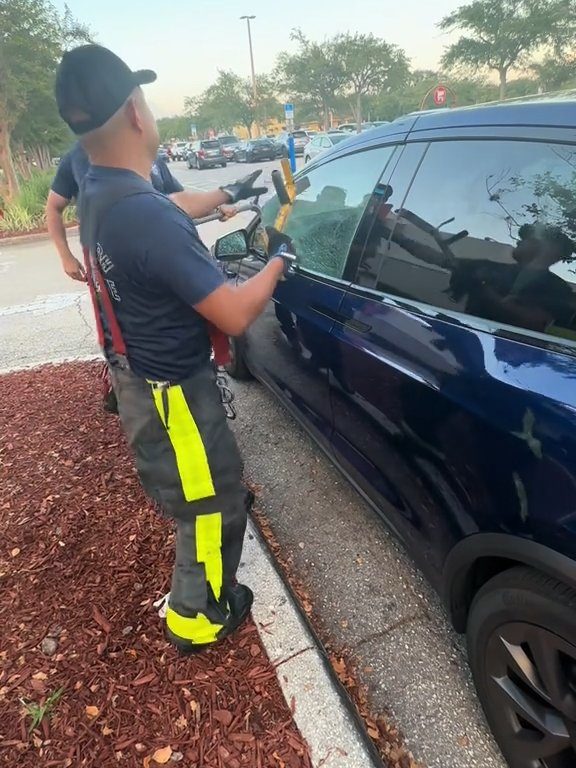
x: 156, y: 269
x: 75, y: 164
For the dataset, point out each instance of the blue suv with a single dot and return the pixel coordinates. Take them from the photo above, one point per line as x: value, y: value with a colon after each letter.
x: 428, y: 342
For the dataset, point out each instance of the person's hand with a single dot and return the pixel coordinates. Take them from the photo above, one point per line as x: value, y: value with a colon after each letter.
x: 281, y: 246
x: 244, y: 188
x: 73, y: 268
x: 227, y: 212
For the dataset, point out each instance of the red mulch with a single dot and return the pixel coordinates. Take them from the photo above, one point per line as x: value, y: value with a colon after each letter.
x: 82, y: 557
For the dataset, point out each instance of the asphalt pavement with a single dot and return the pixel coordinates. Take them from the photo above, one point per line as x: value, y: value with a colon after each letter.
x: 364, y: 587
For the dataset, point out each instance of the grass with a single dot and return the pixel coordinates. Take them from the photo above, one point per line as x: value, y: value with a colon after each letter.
x: 26, y: 212
x: 37, y: 712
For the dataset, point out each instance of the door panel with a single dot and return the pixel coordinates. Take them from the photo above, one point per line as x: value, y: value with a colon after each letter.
x: 461, y: 417
x: 289, y: 346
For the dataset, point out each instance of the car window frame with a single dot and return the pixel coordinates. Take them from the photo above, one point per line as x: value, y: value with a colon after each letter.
x: 360, y: 233
x: 532, y: 134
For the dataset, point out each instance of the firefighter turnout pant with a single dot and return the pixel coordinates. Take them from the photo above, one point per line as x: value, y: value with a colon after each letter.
x: 189, y: 463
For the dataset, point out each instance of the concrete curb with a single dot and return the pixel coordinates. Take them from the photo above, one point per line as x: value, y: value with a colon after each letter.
x: 320, y: 707
x: 33, y: 238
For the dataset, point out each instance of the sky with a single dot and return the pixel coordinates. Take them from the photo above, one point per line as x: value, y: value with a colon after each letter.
x: 187, y: 41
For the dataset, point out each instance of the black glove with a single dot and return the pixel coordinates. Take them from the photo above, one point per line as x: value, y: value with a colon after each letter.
x: 243, y: 188
x: 280, y: 245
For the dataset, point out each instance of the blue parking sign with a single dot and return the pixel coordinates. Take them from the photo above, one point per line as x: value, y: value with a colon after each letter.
x: 289, y: 111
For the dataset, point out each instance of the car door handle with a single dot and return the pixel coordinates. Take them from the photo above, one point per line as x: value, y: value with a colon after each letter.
x: 342, y: 319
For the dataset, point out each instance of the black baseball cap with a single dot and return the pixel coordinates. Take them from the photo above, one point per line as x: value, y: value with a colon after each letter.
x: 92, y: 83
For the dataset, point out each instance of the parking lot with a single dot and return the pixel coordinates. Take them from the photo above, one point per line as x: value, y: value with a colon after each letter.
x: 364, y: 588
x: 210, y: 178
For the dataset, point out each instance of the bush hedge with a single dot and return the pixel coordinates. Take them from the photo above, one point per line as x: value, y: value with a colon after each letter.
x: 26, y: 212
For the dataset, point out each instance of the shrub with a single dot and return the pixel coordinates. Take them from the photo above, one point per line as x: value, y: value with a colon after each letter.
x: 26, y: 212
x: 17, y: 218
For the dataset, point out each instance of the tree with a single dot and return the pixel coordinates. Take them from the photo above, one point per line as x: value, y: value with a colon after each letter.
x: 501, y: 34
x: 555, y: 72
x: 32, y: 38
x: 230, y: 102
x: 369, y: 65
x: 177, y: 127
x: 313, y: 74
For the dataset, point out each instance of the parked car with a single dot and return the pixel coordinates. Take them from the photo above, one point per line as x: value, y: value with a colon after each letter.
x: 353, y: 127
x: 229, y: 144
x: 179, y: 150
x: 301, y: 139
x: 206, y: 153
x: 427, y: 340
x: 168, y: 149
x: 321, y: 142
x: 254, y: 150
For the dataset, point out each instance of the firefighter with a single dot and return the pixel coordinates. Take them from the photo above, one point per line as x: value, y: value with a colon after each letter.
x: 66, y: 184
x: 156, y: 293
x: 65, y: 187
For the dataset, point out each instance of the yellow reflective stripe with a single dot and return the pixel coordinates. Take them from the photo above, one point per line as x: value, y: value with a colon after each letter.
x: 191, y: 458
x: 198, y: 630
x: 209, y: 549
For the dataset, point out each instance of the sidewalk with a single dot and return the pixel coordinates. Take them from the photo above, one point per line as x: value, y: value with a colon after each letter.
x: 82, y: 559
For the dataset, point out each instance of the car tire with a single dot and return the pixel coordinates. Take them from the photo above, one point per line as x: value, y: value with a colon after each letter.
x: 522, y: 651
x: 237, y: 367
x: 224, y: 165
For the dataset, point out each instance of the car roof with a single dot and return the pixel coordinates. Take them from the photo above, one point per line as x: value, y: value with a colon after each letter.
x: 557, y: 110
x: 552, y: 110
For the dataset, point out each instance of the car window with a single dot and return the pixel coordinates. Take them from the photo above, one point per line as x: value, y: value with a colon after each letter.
x: 326, y: 213
x: 487, y: 229
x: 299, y: 134
x: 211, y: 144
x: 326, y: 142
x: 315, y: 142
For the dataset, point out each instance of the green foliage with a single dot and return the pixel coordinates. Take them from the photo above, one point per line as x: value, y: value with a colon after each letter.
x: 230, y: 102
x: 177, y: 127
x: 26, y: 212
x: 37, y: 712
x: 32, y: 39
x: 369, y: 66
x: 313, y: 74
x: 501, y: 34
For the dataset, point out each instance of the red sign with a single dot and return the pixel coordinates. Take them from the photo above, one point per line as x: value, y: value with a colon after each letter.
x: 440, y: 95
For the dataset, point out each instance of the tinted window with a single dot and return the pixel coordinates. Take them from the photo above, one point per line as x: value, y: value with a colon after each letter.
x: 211, y: 144
x: 299, y: 134
x: 325, y: 214
x: 487, y: 228
x: 336, y: 138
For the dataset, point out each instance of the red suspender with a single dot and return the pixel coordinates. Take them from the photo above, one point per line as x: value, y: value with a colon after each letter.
x: 103, y: 306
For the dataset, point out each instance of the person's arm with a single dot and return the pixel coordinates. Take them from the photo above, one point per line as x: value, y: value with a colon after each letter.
x: 55, y: 206
x: 198, y: 204
x: 177, y: 258
x: 233, y: 309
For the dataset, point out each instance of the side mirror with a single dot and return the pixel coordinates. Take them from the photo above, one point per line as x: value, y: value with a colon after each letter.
x: 232, y: 247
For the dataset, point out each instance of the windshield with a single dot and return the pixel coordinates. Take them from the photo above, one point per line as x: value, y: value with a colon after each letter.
x: 211, y: 144
x: 300, y: 134
x: 336, y: 138
x: 226, y: 140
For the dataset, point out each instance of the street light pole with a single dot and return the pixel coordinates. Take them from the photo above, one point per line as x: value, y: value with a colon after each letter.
x: 254, y: 89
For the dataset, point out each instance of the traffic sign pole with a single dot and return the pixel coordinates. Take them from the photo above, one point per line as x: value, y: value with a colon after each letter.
x: 289, y: 116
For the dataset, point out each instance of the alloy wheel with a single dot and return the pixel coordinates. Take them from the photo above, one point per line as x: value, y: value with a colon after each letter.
x: 531, y: 683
